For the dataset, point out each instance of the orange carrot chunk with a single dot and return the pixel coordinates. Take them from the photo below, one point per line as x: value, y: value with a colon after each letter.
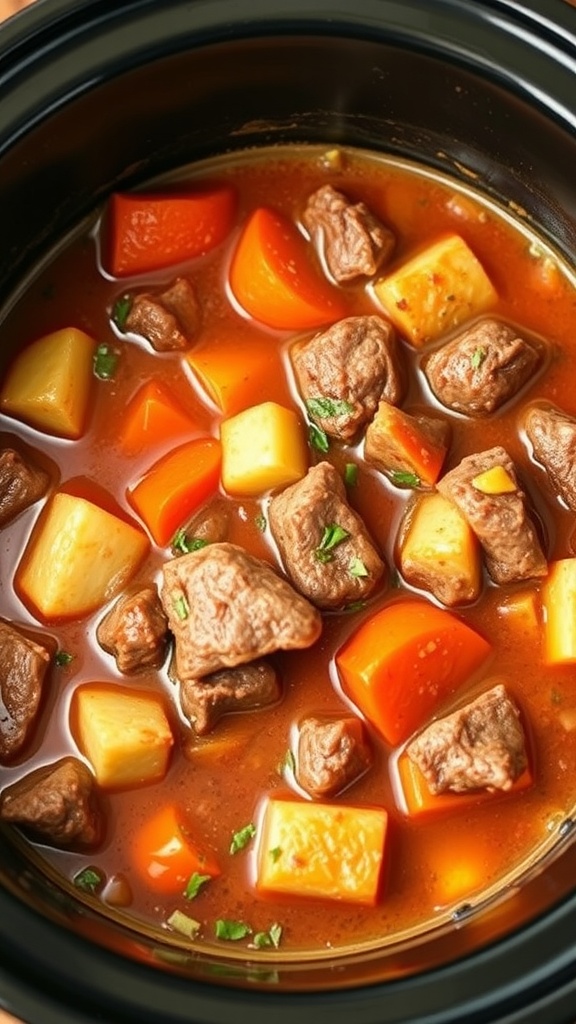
x: 274, y: 278
x: 330, y: 851
x: 148, y: 231
x: 153, y: 416
x: 176, y: 485
x: 166, y: 856
x: 403, y: 661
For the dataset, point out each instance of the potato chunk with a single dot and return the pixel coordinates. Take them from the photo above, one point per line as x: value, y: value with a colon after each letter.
x: 440, y: 553
x: 48, y: 385
x: 263, y: 447
x: 436, y: 290
x: 124, y: 733
x: 79, y: 556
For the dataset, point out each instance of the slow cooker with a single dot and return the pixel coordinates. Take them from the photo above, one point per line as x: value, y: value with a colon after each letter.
x: 97, y: 96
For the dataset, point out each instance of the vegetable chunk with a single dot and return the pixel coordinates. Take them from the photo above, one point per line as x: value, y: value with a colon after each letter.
x: 440, y: 553
x: 153, y: 416
x: 78, y: 557
x: 436, y: 290
x: 416, y: 799
x: 559, y: 605
x: 330, y: 851
x: 49, y: 383
x: 167, y: 856
x: 262, y: 448
x: 404, y: 660
x: 125, y: 735
x: 236, y: 372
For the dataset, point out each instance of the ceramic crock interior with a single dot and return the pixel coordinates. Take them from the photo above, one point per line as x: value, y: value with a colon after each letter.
x: 265, y: 89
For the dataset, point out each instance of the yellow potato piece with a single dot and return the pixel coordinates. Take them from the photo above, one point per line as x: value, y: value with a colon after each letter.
x: 495, y: 480
x: 436, y: 290
x: 324, y: 850
x: 263, y: 447
x: 48, y: 385
x: 124, y: 734
x: 78, y: 557
x: 559, y: 605
x: 440, y: 553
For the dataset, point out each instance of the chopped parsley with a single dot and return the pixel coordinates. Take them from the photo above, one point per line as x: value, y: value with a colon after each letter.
x: 89, y: 880
x: 232, y: 931
x: 185, y: 925
x: 333, y: 536
x: 121, y: 310
x: 261, y: 523
x: 63, y: 658
x: 357, y: 567
x: 275, y: 853
x: 194, y: 884
x: 241, y: 838
x: 318, y: 438
x: 325, y: 408
x: 105, y: 362
x: 182, y: 542
x: 270, y: 938
x: 405, y: 479
x: 288, y: 763
x: 477, y: 358
x: 181, y: 607
x: 351, y: 474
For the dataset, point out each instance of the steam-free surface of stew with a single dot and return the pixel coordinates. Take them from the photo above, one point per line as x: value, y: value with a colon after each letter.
x: 288, y: 563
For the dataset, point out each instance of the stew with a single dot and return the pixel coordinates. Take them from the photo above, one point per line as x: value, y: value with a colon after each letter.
x: 287, y: 493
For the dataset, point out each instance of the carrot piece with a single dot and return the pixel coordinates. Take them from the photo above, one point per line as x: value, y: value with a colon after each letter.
x: 415, y: 798
x: 411, y: 448
x: 559, y: 605
x: 152, y: 416
x: 330, y: 851
x: 175, y: 485
x: 235, y: 372
x: 148, y: 231
x: 404, y: 660
x: 274, y: 279
x: 165, y: 854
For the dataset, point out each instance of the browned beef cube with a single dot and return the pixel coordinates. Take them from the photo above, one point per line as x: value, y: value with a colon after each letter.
x: 481, y: 369
x: 208, y: 526
x: 56, y: 803
x: 135, y: 631
x: 324, y: 543
x: 169, y: 320
x: 552, y: 434
x: 21, y: 484
x: 501, y: 521
x: 332, y: 754
x: 225, y: 607
x: 480, y: 746
x: 23, y: 667
x: 353, y: 241
x: 245, y: 688
x: 344, y: 373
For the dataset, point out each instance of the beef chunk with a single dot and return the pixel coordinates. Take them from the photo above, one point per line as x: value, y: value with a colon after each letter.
x: 56, y: 803
x: 552, y: 434
x: 245, y: 688
x: 332, y: 754
x: 481, y: 369
x: 344, y: 372
x: 169, y: 320
x: 481, y: 746
x: 225, y: 607
x: 419, y: 448
x: 324, y: 544
x: 23, y: 667
x: 135, y: 631
x: 21, y: 484
x: 353, y: 241
x: 208, y: 526
x: 501, y: 521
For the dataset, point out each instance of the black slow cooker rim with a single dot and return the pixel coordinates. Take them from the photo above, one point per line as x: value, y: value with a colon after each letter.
x: 107, y: 987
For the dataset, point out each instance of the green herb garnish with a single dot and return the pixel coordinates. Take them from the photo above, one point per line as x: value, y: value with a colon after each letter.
x: 333, y: 536
x: 181, y: 542
x: 318, y: 438
x: 288, y: 763
x: 121, y: 310
x: 404, y: 479
x: 241, y: 838
x: 357, y: 567
x: 181, y: 607
x: 88, y: 880
x: 185, y: 925
x: 477, y: 358
x: 261, y: 523
x: 351, y: 474
x: 325, y: 408
x: 270, y: 938
x: 105, y: 362
x: 232, y: 931
x: 63, y: 658
x: 275, y: 853
x: 194, y: 884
